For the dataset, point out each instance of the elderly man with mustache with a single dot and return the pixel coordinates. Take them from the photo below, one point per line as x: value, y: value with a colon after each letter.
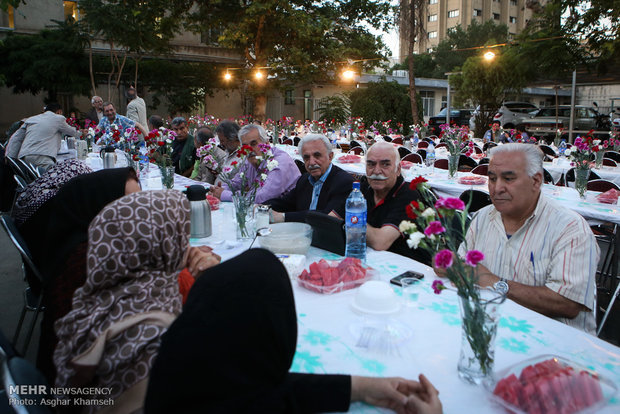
x: 324, y: 187
x: 387, y: 196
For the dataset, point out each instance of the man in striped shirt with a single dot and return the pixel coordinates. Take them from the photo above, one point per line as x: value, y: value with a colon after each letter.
x: 543, y: 255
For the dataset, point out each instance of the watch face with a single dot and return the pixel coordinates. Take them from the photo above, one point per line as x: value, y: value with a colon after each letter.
x: 501, y: 287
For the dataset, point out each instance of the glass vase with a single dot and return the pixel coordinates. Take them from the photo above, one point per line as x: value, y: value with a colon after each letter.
x: 244, y: 215
x: 453, y: 165
x: 480, y: 317
x: 598, y: 160
x: 167, y: 176
x: 581, y: 181
x: 133, y: 164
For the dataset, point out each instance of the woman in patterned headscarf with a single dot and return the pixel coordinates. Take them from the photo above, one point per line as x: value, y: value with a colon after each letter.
x: 137, y: 245
x: 45, y: 187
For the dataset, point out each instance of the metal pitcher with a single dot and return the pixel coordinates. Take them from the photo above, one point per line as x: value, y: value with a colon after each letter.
x: 200, y: 212
x: 109, y: 157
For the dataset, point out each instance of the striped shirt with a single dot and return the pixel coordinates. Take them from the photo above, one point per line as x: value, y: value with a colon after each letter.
x: 554, y: 248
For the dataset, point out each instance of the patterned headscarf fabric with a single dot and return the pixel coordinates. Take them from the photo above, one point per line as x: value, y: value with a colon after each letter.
x: 137, y: 246
x: 45, y: 187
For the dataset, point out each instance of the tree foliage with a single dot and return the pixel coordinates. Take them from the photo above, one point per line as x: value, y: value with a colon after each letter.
x: 336, y: 108
x: 296, y: 40
x: 52, y: 61
x: 382, y: 101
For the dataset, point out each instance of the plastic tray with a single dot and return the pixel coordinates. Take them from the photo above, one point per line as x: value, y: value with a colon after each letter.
x: 575, y: 389
x: 345, y: 280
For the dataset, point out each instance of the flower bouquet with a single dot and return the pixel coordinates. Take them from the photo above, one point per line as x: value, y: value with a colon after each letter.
x: 159, y: 151
x: 130, y: 143
x: 439, y: 227
x: 457, y: 141
x: 581, y: 155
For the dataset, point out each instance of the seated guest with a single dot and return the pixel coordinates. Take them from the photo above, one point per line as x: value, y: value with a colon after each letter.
x: 202, y: 171
x: 279, y: 180
x: 57, y: 236
x: 228, y: 134
x: 542, y: 255
x: 121, y: 122
x: 155, y: 122
x: 45, y: 187
x: 183, y: 150
x: 324, y: 187
x: 96, y: 112
x: 205, y: 366
x: 495, y: 135
x: 137, y: 246
x: 387, y: 196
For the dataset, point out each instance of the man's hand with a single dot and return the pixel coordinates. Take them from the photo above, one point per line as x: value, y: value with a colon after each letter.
x: 426, y: 401
x: 200, y: 259
x: 485, y: 277
x: 389, y: 393
x: 276, y: 217
x: 216, y: 190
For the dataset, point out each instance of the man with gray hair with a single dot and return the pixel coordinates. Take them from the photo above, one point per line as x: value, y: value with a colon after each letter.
x: 183, y: 150
x: 280, y: 179
x: 96, y: 112
x: 228, y: 134
x: 542, y: 255
x: 324, y: 187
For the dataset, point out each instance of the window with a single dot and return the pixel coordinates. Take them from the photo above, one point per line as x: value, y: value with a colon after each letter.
x: 432, y: 35
x: 513, y: 2
x: 211, y: 35
x: 432, y: 18
x: 512, y: 19
x: 289, y: 99
x: 444, y: 101
x: 7, y: 19
x: 432, y: 1
x: 453, y: 13
x: 308, y: 104
x: 71, y: 10
x: 496, y: 16
x: 477, y: 12
x: 428, y: 102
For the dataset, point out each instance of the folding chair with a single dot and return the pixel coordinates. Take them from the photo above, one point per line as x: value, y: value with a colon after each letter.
x: 402, y: 151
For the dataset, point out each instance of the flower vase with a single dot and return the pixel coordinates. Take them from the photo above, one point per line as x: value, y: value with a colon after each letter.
x: 598, y: 160
x: 480, y: 317
x: 453, y: 165
x: 167, y: 176
x: 133, y: 164
x: 244, y: 215
x: 581, y: 181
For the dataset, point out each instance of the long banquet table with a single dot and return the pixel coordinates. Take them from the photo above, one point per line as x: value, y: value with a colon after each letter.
x: 326, y: 343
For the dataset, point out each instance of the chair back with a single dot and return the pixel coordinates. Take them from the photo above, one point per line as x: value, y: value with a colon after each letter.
x: 287, y: 141
x: 422, y: 153
x: 398, y: 140
x: 301, y: 166
x: 547, y: 150
x: 570, y: 177
x: 488, y: 146
x: 422, y: 144
x: 614, y: 155
x: 356, y: 150
x: 601, y: 185
x: 402, y: 151
x: 479, y: 199
x: 413, y: 157
x: 19, y: 169
x: 20, y: 244
x: 387, y: 138
x: 28, y: 168
x: 442, y: 164
x: 296, y: 141
x: 481, y: 170
x: 430, y: 138
x: 441, y: 145
x: 608, y: 162
x: 547, y: 177
x: 354, y: 144
x: 21, y: 183
x: 484, y: 160
x: 464, y: 160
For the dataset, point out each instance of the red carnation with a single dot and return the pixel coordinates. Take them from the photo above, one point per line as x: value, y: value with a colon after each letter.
x: 411, y: 212
x: 417, y: 181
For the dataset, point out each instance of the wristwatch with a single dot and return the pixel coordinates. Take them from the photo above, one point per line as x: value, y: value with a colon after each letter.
x: 502, y: 286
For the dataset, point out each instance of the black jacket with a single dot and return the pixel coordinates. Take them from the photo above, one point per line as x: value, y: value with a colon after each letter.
x: 334, y: 193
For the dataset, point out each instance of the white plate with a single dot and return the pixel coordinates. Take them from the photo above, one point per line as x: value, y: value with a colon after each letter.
x: 365, y: 311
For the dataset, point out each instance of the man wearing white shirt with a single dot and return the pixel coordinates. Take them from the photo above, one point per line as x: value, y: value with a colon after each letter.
x: 542, y: 255
x: 136, y: 108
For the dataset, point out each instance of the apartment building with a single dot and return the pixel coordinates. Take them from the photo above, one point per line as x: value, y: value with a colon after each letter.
x: 442, y: 15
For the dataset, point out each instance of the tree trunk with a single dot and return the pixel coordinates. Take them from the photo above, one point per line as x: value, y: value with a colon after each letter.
x: 90, y: 68
x: 135, y: 76
x: 260, y: 106
x: 414, y: 29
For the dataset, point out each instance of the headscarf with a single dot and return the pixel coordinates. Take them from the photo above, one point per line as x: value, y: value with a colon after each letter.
x: 136, y: 248
x: 54, y: 231
x: 45, y: 187
x: 237, y: 335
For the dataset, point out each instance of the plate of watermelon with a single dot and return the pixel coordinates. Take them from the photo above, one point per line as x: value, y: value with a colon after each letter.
x: 335, y: 276
x: 349, y: 159
x: 214, y: 202
x: 550, y: 384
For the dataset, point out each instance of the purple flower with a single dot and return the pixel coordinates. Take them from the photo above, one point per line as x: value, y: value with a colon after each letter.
x: 450, y: 203
x: 443, y: 259
x: 434, y: 227
x: 473, y: 257
x: 438, y: 286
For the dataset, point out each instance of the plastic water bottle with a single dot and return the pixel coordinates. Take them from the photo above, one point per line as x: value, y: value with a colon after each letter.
x: 562, y: 148
x: 430, y: 155
x: 355, y: 224
x: 416, y: 141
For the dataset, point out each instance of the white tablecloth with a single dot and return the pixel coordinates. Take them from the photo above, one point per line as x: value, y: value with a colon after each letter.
x: 559, y: 167
x: 325, y: 343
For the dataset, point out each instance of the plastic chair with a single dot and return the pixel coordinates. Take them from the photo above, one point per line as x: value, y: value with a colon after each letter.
x: 296, y: 141
x: 398, y: 140
x: 441, y: 145
x: 442, y: 164
x: 422, y: 153
x: 570, y: 177
x: 466, y: 163
x: 481, y: 170
x: 402, y: 151
x: 301, y: 166
x: 479, y: 199
x: 614, y: 155
x: 356, y: 150
x: 387, y: 138
x: 287, y: 141
x: 547, y: 177
x: 608, y: 162
x: 547, y: 150
x: 488, y: 145
x: 20, y: 169
x: 413, y: 157
x: 353, y: 144
x: 601, y: 185
x: 430, y: 138
x: 484, y: 160
x: 32, y: 294
x: 422, y: 144
x: 21, y: 183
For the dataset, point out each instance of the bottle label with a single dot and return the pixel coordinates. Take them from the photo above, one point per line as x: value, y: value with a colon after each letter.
x: 357, y: 219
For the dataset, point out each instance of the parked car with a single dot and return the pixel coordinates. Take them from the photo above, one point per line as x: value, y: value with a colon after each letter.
x: 512, y: 113
x: 459, y: 117
x: 543, y: 124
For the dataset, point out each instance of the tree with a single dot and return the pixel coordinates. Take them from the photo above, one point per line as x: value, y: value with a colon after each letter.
x: 296, y: 40
x: 425, y: 66
x: 334, y: 108
x: 131, y: 28
x: 52, y: 61
x: 412, y: 12
x: 383, y: 101
x: 5, y: 4
x: 486, y: 84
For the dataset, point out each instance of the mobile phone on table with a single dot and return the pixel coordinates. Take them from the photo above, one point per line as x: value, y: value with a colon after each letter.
x: 410, y: 273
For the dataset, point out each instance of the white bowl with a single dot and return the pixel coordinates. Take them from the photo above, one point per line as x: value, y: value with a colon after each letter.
x: 376, y: 297
x: 291, y: 238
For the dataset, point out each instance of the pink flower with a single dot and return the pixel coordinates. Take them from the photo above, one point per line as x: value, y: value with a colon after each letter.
x: 473, y: 257
x: 434, y: 227
x: 450, y: 203
x: 438, y: 286
x: 443, y: 259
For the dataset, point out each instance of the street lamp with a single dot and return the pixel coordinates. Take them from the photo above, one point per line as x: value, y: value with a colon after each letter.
x: 227, y: 76
x: 348, y: 74
x: 258, y: 75
x: 489, y: 56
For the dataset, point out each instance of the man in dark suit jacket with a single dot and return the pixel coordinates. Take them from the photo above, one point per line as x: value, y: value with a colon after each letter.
x: 96, y: 112
x: 324, y: 187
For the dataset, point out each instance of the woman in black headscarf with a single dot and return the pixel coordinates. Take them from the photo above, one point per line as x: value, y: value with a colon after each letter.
x: 232, y: 346
x: 57, y: 236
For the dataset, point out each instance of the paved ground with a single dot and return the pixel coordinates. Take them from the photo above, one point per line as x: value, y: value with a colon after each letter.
x: 12, y: 286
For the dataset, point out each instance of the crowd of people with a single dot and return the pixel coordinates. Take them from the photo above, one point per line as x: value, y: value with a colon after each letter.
x: 113, y: 288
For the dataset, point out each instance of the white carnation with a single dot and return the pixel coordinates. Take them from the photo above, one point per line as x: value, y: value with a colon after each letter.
x: 272, y: 164
x: 428, y: 213
x: 414, y: 239
x: 407, y: 226
x: 567, y: 152
x: 263, y: 177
